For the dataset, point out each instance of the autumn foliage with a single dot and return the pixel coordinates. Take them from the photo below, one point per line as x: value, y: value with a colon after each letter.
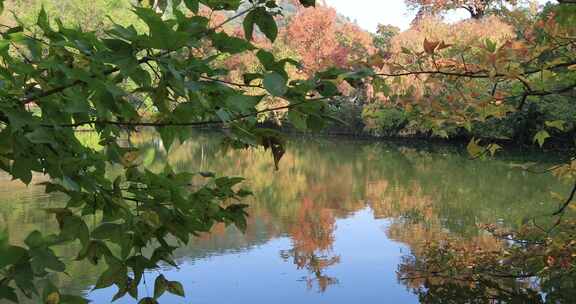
x: 476, y: 8
x: 323, y: 39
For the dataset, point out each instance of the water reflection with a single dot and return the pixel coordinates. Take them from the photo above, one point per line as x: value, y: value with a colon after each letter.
x: 312, y: 236
x: 340, y: 221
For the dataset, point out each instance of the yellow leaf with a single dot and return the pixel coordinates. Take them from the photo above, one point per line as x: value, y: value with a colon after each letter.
x: 541, y: 137
x: 557, y: 196
x: 493, y: 148
x: 557, y: 124
x: 53, y: 298
x: 474, y: 149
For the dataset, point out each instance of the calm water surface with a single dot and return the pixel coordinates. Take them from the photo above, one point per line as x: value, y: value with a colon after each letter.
x: 338, y: 223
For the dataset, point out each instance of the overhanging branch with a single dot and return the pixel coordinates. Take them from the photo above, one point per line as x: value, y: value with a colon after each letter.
x: 143, y: 60
x: 179, y: 124
x: 568, y: 202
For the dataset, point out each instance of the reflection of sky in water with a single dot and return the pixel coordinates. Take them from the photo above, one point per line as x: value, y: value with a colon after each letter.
x: 366, y: 272
x: 317, y: 201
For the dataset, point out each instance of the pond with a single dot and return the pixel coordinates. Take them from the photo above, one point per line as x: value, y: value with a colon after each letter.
x: 339, y: 222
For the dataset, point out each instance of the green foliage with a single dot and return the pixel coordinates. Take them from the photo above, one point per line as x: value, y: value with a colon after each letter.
x: 162, y: 285
x: 347, y: 117
x: 56, y: 78
x: 384, y: 35
x: 275, y: 84
x: 90, y: 15
x: 384, y: 120
x: 541, y: 137
x: 265, y: 22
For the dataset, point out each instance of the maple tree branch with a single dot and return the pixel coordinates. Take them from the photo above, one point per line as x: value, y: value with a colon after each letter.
x: 478, y: 74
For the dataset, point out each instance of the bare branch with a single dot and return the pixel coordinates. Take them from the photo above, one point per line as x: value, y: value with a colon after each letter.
x: 483, y: 74
x: 567, y: 203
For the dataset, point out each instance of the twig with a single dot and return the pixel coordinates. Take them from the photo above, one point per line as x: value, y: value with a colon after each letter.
x: 179, y: 124
x: 568, y: 201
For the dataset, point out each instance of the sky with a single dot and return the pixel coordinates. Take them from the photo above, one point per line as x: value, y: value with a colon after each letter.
x: 369, y: 13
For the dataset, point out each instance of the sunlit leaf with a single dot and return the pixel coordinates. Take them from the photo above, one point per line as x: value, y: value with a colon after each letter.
x: 541, y: 137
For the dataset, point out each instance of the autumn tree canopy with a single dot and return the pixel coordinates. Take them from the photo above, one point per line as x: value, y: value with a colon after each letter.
x: 323, y: 39
x: 476, y: 8
x: 384, y: 36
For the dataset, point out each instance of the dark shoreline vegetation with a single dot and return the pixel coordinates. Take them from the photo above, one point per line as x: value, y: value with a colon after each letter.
x: 475, y: 200
x: 555, y: 146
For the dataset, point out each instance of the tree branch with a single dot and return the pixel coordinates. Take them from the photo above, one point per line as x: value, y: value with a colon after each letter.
x: 240, y: 85
x: 179, y: 124
x: 477, y: 74
x: 567, y: 203
x: 34, y: 98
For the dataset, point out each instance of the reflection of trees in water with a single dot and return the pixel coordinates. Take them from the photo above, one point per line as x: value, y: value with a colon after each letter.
x: 486, y: 269
x: 451, y: 259
x: 316, y: 264
x: 444, y: 267
x: 426, y: 270
x: 428, y: 196
x: 481, y: 292
x: 22, y: 210
x: 313, y: 235
x: 435, y: 280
